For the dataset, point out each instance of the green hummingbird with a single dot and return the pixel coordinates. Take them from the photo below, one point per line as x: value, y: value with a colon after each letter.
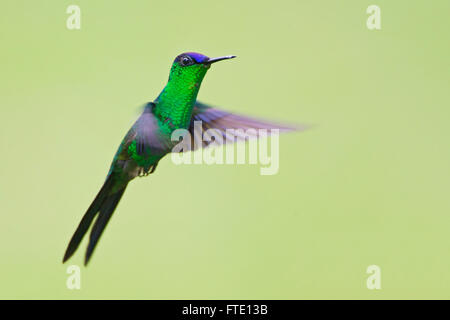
x: 149, y: 140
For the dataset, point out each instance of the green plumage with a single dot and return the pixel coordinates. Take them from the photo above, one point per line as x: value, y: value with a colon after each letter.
x: 174, y: 104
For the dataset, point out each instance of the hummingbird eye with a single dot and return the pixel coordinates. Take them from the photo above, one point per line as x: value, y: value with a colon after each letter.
x: 186, y: 61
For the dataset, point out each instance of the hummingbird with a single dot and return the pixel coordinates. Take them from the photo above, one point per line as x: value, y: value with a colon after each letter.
x: 149, y: 140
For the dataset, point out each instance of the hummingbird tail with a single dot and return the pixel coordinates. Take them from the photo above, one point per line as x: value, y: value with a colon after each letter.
x: 104, y: 204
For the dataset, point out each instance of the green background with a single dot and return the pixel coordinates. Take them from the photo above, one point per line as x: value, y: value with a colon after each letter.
x: 368, y: 185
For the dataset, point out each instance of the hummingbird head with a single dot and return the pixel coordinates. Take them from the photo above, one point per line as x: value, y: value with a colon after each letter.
x: 192, y: 66
x: 193, y: 58
x: 186, y: 76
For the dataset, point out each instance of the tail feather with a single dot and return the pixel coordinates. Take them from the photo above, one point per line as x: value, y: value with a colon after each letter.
x: 103, y: 202
x: 105, y: 214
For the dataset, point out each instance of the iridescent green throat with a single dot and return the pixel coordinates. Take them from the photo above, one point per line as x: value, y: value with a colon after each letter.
x: 174, y: 104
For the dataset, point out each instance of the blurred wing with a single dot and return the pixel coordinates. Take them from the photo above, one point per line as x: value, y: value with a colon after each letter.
x: 147, y: 134
x: 221, y: 121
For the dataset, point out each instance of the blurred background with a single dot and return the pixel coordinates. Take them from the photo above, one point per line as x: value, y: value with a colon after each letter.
x: 368, y: 185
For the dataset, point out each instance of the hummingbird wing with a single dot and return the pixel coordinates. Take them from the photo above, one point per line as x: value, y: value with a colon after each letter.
x: 221, y: 121
x: 148, y: 136
x: 143, y: 139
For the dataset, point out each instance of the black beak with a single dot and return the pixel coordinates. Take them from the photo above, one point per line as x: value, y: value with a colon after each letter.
x: 212, y: 60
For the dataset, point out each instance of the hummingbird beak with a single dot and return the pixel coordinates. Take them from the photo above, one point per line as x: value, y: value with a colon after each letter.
x: 213, y: 60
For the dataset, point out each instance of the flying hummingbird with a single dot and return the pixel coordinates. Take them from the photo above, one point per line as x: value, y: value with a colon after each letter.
x: 149, y: 139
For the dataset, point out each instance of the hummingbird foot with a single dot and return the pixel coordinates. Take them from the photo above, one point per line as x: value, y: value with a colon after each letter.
x: 143, y: 172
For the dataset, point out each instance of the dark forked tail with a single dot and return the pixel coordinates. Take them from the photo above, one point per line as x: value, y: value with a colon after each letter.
x: 104, y: 204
